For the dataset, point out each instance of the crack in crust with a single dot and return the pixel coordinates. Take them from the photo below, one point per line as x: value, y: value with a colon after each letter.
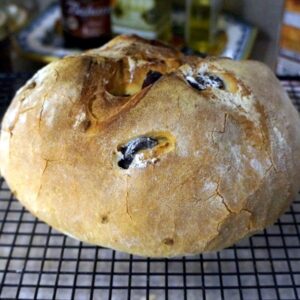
x: 41, y: 114
x: 223, y: 198
x: 126, y: 197
x: 47, y: 163
x: 221, y: 131
x: 41, y: 184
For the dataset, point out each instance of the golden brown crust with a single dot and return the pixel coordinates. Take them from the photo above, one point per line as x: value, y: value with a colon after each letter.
x: 219, y: 164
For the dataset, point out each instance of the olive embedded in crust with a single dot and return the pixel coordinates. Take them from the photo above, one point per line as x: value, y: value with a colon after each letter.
x: 130, y: 149
x: 203, y: 81
x: 151, y: 77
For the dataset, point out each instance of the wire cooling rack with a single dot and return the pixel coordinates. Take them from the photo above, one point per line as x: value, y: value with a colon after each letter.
x: 37, y: 262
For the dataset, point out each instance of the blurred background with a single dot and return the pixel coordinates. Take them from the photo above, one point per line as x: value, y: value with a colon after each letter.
x: 36, y: 32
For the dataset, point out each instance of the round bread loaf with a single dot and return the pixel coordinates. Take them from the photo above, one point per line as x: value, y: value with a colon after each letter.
x: 137, y: 147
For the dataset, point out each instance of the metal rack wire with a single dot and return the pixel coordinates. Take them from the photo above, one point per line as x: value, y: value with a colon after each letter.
x: 37, y: 262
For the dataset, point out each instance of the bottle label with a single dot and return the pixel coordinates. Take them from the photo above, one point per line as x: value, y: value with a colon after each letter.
x: 86, y: 19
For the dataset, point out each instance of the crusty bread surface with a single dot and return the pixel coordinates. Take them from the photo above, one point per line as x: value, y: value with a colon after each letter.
x: 136, y: 147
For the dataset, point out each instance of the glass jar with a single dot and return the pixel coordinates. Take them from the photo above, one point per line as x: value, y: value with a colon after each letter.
x: 147, y: 18
x: 202, y: 25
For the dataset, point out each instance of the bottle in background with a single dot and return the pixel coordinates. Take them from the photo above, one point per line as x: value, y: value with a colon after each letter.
x: 86, y: 23
x: 5, y: 60
x: 178, y: 22
x: 147, y: 18
x: 202, y: 25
